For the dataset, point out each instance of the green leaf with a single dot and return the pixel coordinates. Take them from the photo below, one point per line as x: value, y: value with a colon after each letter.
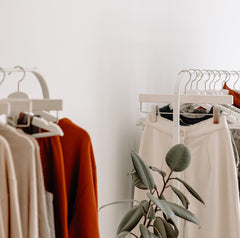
x: 178, y: 158
x: 158, y: 170
x: 191, y: 190
x: 137, y: 181
x: 181, y: 196
x: 168, y: 228
x: 144, y: 204
x: 122, y: 234
x: 142, y: 170
x: 182, y: 212
x: 162, y: 204
x: 175, y: 227
x: 151, y: 214
x: 145, y: 232
x: 159, y: 226
x: 156, y: 232
x: 131, y: 219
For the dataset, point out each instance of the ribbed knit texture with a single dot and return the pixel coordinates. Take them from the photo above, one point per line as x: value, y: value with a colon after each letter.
x: 10, y: 221
x: 22, y: 151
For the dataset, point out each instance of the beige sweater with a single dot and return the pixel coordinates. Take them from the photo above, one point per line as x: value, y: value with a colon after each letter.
x: 43, y: 213
x: 22, y: 150
x: 10, y: 222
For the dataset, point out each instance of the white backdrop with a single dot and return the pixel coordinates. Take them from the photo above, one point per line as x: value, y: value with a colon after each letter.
x: 98, y: 55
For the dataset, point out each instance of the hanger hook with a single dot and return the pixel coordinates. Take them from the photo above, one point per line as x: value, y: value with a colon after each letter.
x: 221, y: 72
x: 211, y: 72
x: 4, y: 75
x: 190, y: 78
x: 201, y: 76
x: 228, y: 76
x: 24, y: 73
x: 215, y: 74
x: 235, y: 73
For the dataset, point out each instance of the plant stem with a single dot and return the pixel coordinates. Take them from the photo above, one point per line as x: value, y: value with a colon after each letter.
x: 164, y: 186
x: 149, y: 205
x: 133, y: 234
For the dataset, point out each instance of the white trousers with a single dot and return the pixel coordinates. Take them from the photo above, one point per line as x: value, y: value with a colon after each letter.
x: 212, y: 173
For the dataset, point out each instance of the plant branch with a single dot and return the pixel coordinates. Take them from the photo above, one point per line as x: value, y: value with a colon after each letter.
x: 164, y: 186
x: 148, y: 209
x: 133, y: 234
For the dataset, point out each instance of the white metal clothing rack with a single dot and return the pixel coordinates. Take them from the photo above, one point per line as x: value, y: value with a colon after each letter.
x: 176, y: 99
x: 39, y: 77
x: 19, y: 101
x: 27, y: 104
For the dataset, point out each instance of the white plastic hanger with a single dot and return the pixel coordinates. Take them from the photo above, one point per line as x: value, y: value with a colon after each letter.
x: 36, y: 105
x: 51, y: 128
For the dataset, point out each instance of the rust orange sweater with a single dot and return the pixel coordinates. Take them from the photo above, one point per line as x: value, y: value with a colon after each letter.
x: 81, y: 181
x: 54, y: 178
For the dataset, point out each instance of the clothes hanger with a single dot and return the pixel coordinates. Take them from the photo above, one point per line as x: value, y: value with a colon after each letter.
x: 40, y: 106
x: 36, y: 104
x: 237, y: 79
x: 4, y: 106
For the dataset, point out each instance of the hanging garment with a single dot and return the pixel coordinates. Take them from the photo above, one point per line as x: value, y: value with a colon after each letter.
x: 236, y: 137
x: 236, y: 96
x: 188, y: 120
x: 22, y: 151
x: 43, y: 217
x: 10, y: 221
x: 211, y: 172
x: 54, y: 177
x: 81, y: 181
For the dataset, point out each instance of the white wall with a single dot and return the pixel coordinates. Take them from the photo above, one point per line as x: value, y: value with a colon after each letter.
x: 98, y: 55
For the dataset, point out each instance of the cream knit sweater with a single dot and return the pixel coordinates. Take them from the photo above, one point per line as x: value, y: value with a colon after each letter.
x: 42, y: 195
x: 10, y: 222
x: 22, y: 150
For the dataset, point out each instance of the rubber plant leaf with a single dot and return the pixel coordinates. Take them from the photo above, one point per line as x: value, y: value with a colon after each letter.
x: 181, y: 196
x: 159, y: 226
x: 169, y: 229
x: 178, y: 158
x: 158, y: 170
x: 142, y: 170
x: 151, y: 214
x: 162, y: 204
x: 137, y: 181
x: 182, y: 212
x: 144, y: 204
x: 191, y: 190
x: 175, y: 227
x: 130, y: 219
x: 145, y: 232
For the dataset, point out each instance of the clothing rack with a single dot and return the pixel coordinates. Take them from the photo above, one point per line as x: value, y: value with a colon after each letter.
x: 21, y: 103
x: 39, y: 77
x: 177, y: 98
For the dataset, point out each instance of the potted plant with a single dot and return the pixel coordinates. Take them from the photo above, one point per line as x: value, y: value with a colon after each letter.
x: 154, y: 217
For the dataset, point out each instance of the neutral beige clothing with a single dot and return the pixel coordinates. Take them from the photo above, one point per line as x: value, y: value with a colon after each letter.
x: 22, y: 150
x: 10, y: 222
x: 49, y: 199
x: 43, y: 219
x: 212, y: 172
